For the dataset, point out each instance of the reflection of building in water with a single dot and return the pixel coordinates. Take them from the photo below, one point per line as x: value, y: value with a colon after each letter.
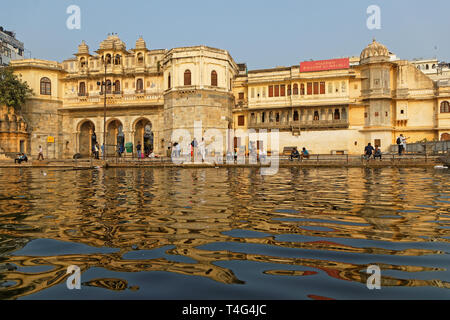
x: 183, y: 210
x: 335, y: 106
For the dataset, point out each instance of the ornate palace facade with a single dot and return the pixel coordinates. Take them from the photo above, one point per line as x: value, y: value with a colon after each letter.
x: 151, y: 93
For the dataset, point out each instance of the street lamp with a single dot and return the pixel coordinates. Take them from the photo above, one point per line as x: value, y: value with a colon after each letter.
x: 103, y: 88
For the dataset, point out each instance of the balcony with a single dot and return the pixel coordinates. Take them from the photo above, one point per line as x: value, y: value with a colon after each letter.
x: 307, y: 125
x: 116, y: 97
x: 241, y: 104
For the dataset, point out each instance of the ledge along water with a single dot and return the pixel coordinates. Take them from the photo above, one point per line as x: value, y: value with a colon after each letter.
x: 409, y: 160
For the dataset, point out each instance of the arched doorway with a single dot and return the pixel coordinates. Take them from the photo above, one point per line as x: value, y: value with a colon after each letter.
x: 114, y: 137
x: 143, y: 133
x: 87, y: 138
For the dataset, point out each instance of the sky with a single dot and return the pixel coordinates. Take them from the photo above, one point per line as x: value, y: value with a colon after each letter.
x: 263, y: 34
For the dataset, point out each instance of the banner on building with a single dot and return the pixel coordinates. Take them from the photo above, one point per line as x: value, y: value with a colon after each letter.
x: 324, y: 65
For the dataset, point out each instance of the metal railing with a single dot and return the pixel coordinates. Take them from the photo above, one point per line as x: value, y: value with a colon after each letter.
x: 432, y: 147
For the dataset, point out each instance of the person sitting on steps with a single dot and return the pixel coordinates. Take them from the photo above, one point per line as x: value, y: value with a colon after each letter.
x: 295, y: 154
x: 377, y: 153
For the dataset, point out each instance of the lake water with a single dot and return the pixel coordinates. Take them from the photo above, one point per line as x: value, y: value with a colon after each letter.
x: 226, y: 233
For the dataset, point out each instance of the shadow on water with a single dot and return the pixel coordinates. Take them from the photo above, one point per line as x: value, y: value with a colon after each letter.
x: 225, y: 233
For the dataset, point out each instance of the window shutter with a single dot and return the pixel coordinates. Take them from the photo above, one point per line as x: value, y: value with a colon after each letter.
x: 322, y: 88
x: 309, y: 88
x: 214, y: 78
x: 316, y: 88
x: 187, y: 78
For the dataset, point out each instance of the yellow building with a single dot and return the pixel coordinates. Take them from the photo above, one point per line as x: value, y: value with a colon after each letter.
x: 334, y: 106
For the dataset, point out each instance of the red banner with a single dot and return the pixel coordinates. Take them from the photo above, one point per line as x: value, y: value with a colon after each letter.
x: 323, y: 65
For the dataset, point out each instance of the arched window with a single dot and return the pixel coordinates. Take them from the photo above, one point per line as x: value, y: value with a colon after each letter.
x: 82, y: 62
x: 108, y: 86
x: 108, y: 59
x: 117, y: 86
x: 295, y: 116
x: 302, y: 89
x: 277, y: 117
x: 270, y: 116
x: 445, y: 107
x: 214, y: 78
x: 337, y: 114
x: 427, y: 67
x: 117, y: 59
x: 46, y: 86
x: 139, y: 85
x: 187, y: 77
x: 263, y: 117
x: 140, y: 58
x: 316, y: 116
x: 295, y: 89
x: 82, y: 89
x: 169, y: 84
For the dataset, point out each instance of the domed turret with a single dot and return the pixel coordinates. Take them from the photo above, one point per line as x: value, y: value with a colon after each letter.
x: 113, y: 42
x: 375, y: 49
x: 83, y: 48
x: 140, y: 44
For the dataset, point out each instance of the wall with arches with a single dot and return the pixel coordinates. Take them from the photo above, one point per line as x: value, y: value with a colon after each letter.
x: 79, y: 142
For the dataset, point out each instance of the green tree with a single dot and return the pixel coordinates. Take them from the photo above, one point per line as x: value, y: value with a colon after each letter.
x: 13, y: 91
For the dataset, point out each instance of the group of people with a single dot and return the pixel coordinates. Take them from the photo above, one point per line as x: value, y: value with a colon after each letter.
x: 141, y: 155
x: 96, y: 150
x: 21, y: 157
x: 197, y: 149
x: 297, y: 155
x: 370, y: 151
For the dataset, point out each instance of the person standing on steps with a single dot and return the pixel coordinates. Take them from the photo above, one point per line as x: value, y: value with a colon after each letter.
x: 138, y: 149
x: 403, y: 140
x: 41, y: 153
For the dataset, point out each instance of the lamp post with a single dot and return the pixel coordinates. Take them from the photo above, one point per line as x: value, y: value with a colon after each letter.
x: 103, y: 84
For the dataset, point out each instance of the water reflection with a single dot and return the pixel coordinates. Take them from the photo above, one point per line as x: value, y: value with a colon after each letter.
x: 312, y: 225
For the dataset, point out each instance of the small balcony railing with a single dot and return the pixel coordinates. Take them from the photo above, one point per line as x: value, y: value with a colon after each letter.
x: 312, y: 124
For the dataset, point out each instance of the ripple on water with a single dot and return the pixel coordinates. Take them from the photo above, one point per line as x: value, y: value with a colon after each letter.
x: 229, y: 233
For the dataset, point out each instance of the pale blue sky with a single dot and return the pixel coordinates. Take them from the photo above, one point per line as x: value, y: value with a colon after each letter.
x: 261, y: 33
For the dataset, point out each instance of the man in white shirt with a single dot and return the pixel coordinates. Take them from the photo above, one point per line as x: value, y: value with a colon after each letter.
x: 41, y: 153
x: 202, y: 149
x: 403, y: 143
